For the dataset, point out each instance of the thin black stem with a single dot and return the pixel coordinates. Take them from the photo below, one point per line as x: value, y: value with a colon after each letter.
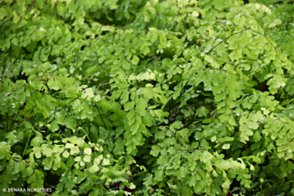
x: 176, y: 113
x: 2, y: 121
x: 101, y: 117
x: 6, y: 123
x: 223, y: 41
x: 194, y: 113
x: 277, y: 182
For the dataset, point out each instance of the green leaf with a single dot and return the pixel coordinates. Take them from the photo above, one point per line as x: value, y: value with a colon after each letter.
x: 232, y: 120
x: 141, y: 105
x: 5, y: 148
x: 155, y: 150
x: 108, y: 28
x: 282, y: 141
x: 42, y: 109
x: 170, y: 141
x: 57, y: 33
x: 147, y: 120
x: 158, y: 175
x: 70, y: 122
x: 65, y: 154
x: 200, y: 185
x: 113, y: 173
x: 252, y: 125
x: 60, y: 117
x: 176, y: 125
x: 14, y: 41
x: 146, y: 50
x: 105, y: 162
x: 54, y: 126
x: 54, y: 84
x: 47, y: 151
x: 74, y: 150
x: 69, y: 145
x: 178, y: 95
x: 27, y: 172
x: 202, y: 111
x: 181, y: 173
x: 36, y: 141
x: 88, y: 94
x: 32, y: 178
x: 226, y: 184
x: 88, y: 151
x: 135, y: 60
x: 183, y: 133
x: 256, y: 136
x: 226, y: 146
x: 160, y: 135
x: 94, y: 169
x: 148, y: 92
x: 160, y: 113
x: 11, y: 138
x: 148, y: 180
x: 2, y: 13
x: 128, y: 106
x: 87, y: 158
x: 132, y: 186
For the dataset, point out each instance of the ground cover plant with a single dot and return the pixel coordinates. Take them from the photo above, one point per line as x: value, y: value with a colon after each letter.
x: 159, y: 97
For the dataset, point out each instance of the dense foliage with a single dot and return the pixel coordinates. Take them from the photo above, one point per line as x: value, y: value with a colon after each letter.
x: 169, y: 97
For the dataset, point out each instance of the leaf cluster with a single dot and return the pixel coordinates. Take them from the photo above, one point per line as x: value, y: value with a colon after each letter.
x: 173, y: 97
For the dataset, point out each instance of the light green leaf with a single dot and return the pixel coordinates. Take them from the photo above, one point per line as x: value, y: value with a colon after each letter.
x: 105, y: 162
x: 147, y: 120
x: 282, y: 141
x: 47, y: 151
x: 128, y: 106
x: 132, y: 186
x: 65, y: 154
x: 74, y: 150
x: 69, y: 145
x: 256, y: 136
x: 148, y: 92
x: 181, y: 173
x: 14, y: 41
x: 88, y: 151
x: 94, y: 169
x: 226, y: 184
x: 97, y: 160
x: 135, y: 60
x: 2, y: 13
x: 226, y: 146
x: 200, y: 185
x: 54, y: 84
x: 87, y: 158
x: 108, y: 28
x: 232, y: 120
x: 252, y: 125
x: 158, y: 175
x: 88, y: 94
